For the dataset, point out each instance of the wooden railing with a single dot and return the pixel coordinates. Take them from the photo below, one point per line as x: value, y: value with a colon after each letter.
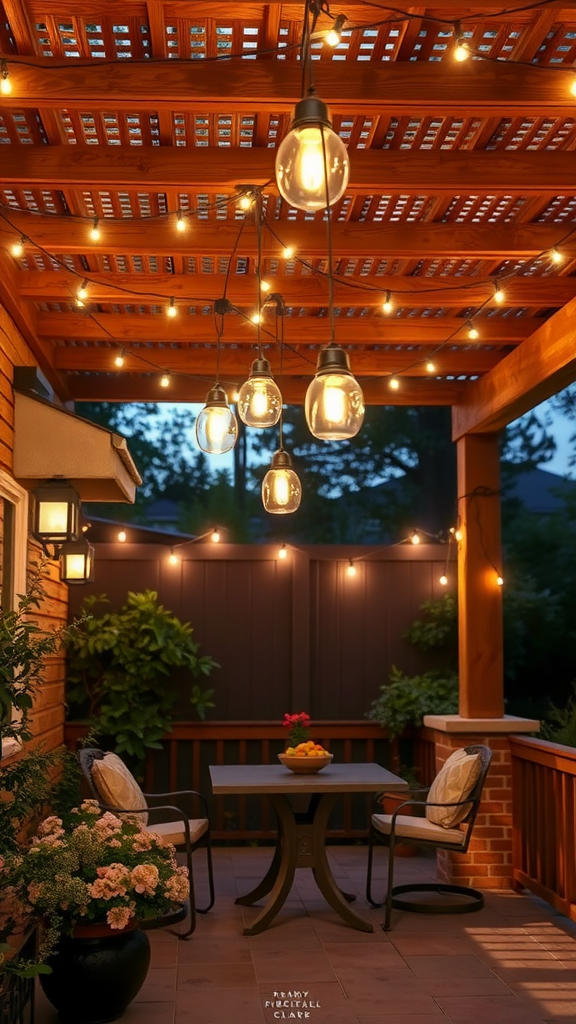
x: 191, y: 747
x: 544, y: 819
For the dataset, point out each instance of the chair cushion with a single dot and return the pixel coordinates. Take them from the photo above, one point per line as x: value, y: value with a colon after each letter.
x: 410, y: 827
x: 173, y: 831
x: 116, y: 784
x: 455, y: 781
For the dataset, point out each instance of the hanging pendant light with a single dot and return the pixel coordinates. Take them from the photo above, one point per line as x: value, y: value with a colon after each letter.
x: 310, y: 146
x: 216, y: 425
x: 281, y: 488
x: 334, y: 403
x: 259, y: 398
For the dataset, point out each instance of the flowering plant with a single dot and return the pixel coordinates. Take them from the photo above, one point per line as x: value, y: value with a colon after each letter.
x: 299, y: 726
x: 101, y: 870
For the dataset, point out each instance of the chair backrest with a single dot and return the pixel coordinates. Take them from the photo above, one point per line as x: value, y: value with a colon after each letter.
x: 110, y: 781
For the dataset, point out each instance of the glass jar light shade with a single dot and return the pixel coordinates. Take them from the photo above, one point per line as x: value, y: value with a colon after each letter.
x: 259, y: 398
x: 281, y: 488
x: 216, y: 425
x: 334, y: 404
x: 300, y: 174
x: 56, y: 514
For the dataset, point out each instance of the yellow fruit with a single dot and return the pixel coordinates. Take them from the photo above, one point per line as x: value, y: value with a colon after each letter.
x: 289, y: 751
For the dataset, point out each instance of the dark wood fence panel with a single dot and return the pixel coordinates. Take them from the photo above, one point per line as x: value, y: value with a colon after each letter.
x: 290, y: 635
x: 544, y: 821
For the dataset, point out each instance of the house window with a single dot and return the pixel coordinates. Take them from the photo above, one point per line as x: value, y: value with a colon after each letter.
x: 13, y: 555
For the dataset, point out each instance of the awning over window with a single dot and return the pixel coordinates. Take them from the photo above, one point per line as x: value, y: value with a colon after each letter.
x: 52, y: 443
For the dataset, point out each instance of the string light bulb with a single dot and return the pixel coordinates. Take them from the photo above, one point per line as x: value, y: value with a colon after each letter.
x: 245, y: 202
x: 256, y: 318
x: 283, y: 552
x: 172, y: 310
x: 17, y: 249
x: 334, y: 36
x: 5, y: 83
x: 473, y: 333
x: 461, y: 51
x: 259, y: 398
x: 394, y: 383
x: 82, y: 292
x: 95, y: 230
x: 119, y: 360
x: 264, y: 286
x: 500, y: 581
x: 351, y: 569
x: 312, y: 166
x: 173, y: 558
x: 165, y: 380
x: 122, y: 536
x: 387, y: 305
x: 443, y: 581
x: 556, y: 256
x: 499, y: 295
x: 415, y: 538
x: 288, y: 252
x: 216, y: 425
x: 334, y: 403
x: 281, y: 487
x: 181, y: 223
x: 430, y: 367
x: 215, y: 535
x: 79, y: 302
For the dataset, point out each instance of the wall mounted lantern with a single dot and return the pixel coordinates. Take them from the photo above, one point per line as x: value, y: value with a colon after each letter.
x: 77, y: 562
x: 56, y: 514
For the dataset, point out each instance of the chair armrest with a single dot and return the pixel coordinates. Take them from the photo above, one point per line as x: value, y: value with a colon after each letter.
x: 426, y: 803
x: 180, y: 792
x: 177, y: 815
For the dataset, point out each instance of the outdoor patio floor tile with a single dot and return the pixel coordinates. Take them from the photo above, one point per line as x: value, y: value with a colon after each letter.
x: 489, y: 967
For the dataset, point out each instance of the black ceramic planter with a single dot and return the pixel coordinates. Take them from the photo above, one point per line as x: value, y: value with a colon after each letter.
x: 95, y: 978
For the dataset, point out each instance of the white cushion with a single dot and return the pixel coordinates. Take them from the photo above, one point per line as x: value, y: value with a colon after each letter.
x: 410, y: 827
x: 116, y: 785
x: 455, y: 781
x: 173, y: 831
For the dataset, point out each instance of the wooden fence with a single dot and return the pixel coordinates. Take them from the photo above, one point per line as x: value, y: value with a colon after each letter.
x: 544, y: 820
x: 191, y: 747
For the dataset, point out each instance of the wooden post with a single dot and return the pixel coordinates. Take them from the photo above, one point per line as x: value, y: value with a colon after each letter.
x: 300, y: 630
x: 479, y: 565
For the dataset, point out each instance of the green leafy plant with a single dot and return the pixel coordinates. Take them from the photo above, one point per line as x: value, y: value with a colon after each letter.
x: 119, y: 669
x: 560, y: 723
x: 24, y: 646
x: 404, y: 700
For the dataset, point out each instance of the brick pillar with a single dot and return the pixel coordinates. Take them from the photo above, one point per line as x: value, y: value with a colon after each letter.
x: 487, y: 864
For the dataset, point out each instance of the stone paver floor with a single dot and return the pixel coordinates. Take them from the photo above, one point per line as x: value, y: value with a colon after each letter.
x: 513, y: 962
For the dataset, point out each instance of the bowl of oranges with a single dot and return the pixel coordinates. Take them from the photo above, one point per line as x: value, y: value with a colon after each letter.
x: 305, y: 758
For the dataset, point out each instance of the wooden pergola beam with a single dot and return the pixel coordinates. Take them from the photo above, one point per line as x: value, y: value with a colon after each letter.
x: 357, y: 332
x: 236, y: 361
x: 400, y: 88
x: 215, y: 170
x: 158, y: 237
x: 309, y: 291
x: 133, y: 388
x: 543, y: 365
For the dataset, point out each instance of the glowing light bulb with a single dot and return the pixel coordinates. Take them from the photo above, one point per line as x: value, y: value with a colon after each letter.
x: 283, y: 553
x: 259, y: 399
x: 172, y: 311
x: 245, y: 202
x: 573, y: 87
x: 415, y: 538
x: 216, y: 425
x: 332, y: 38
x: 430, y: 367
x: 556, y: 256
x: 351, y: 569
x: 79, y: 303
x: 95, y: 230
x: 181, y: 224
x: 394, y: 383
x: 235, y: 395
x: 119, y: 360
x: 17, y: 249
x: 264, y: 286
x: 334, y: 403
x: 499, y: 295
x: 458, y: 535
x: 443, y: 580
x: 5, y: 86
x: 122, y: 536
x: 82, y: 292
x: 215, y: 535
x: 165, y: 380
x: 312, y: 165
x: 472, y: 331
x: 173, y: 559
x: 256, y: 318
x: 500, y: 581
x: 288, y: 252
x: 461, y: 51
x: 281, y: 488
x: 387, y: 305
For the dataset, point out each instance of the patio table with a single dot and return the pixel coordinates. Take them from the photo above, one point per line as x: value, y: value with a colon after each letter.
x: 301, y: 841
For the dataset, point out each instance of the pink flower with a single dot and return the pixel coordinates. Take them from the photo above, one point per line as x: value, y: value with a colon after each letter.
x: 142, y: 842
x: 177, y: 887
x: 145, y: 878
x: 51, y: 826
x: 118, y: 917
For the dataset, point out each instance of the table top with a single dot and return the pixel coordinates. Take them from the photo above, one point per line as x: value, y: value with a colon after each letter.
x: 275, y: 778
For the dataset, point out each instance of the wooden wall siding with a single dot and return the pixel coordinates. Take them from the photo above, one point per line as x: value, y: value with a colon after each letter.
x: 48, y: 715
x: 288, y: 635
x: 544, y: 821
